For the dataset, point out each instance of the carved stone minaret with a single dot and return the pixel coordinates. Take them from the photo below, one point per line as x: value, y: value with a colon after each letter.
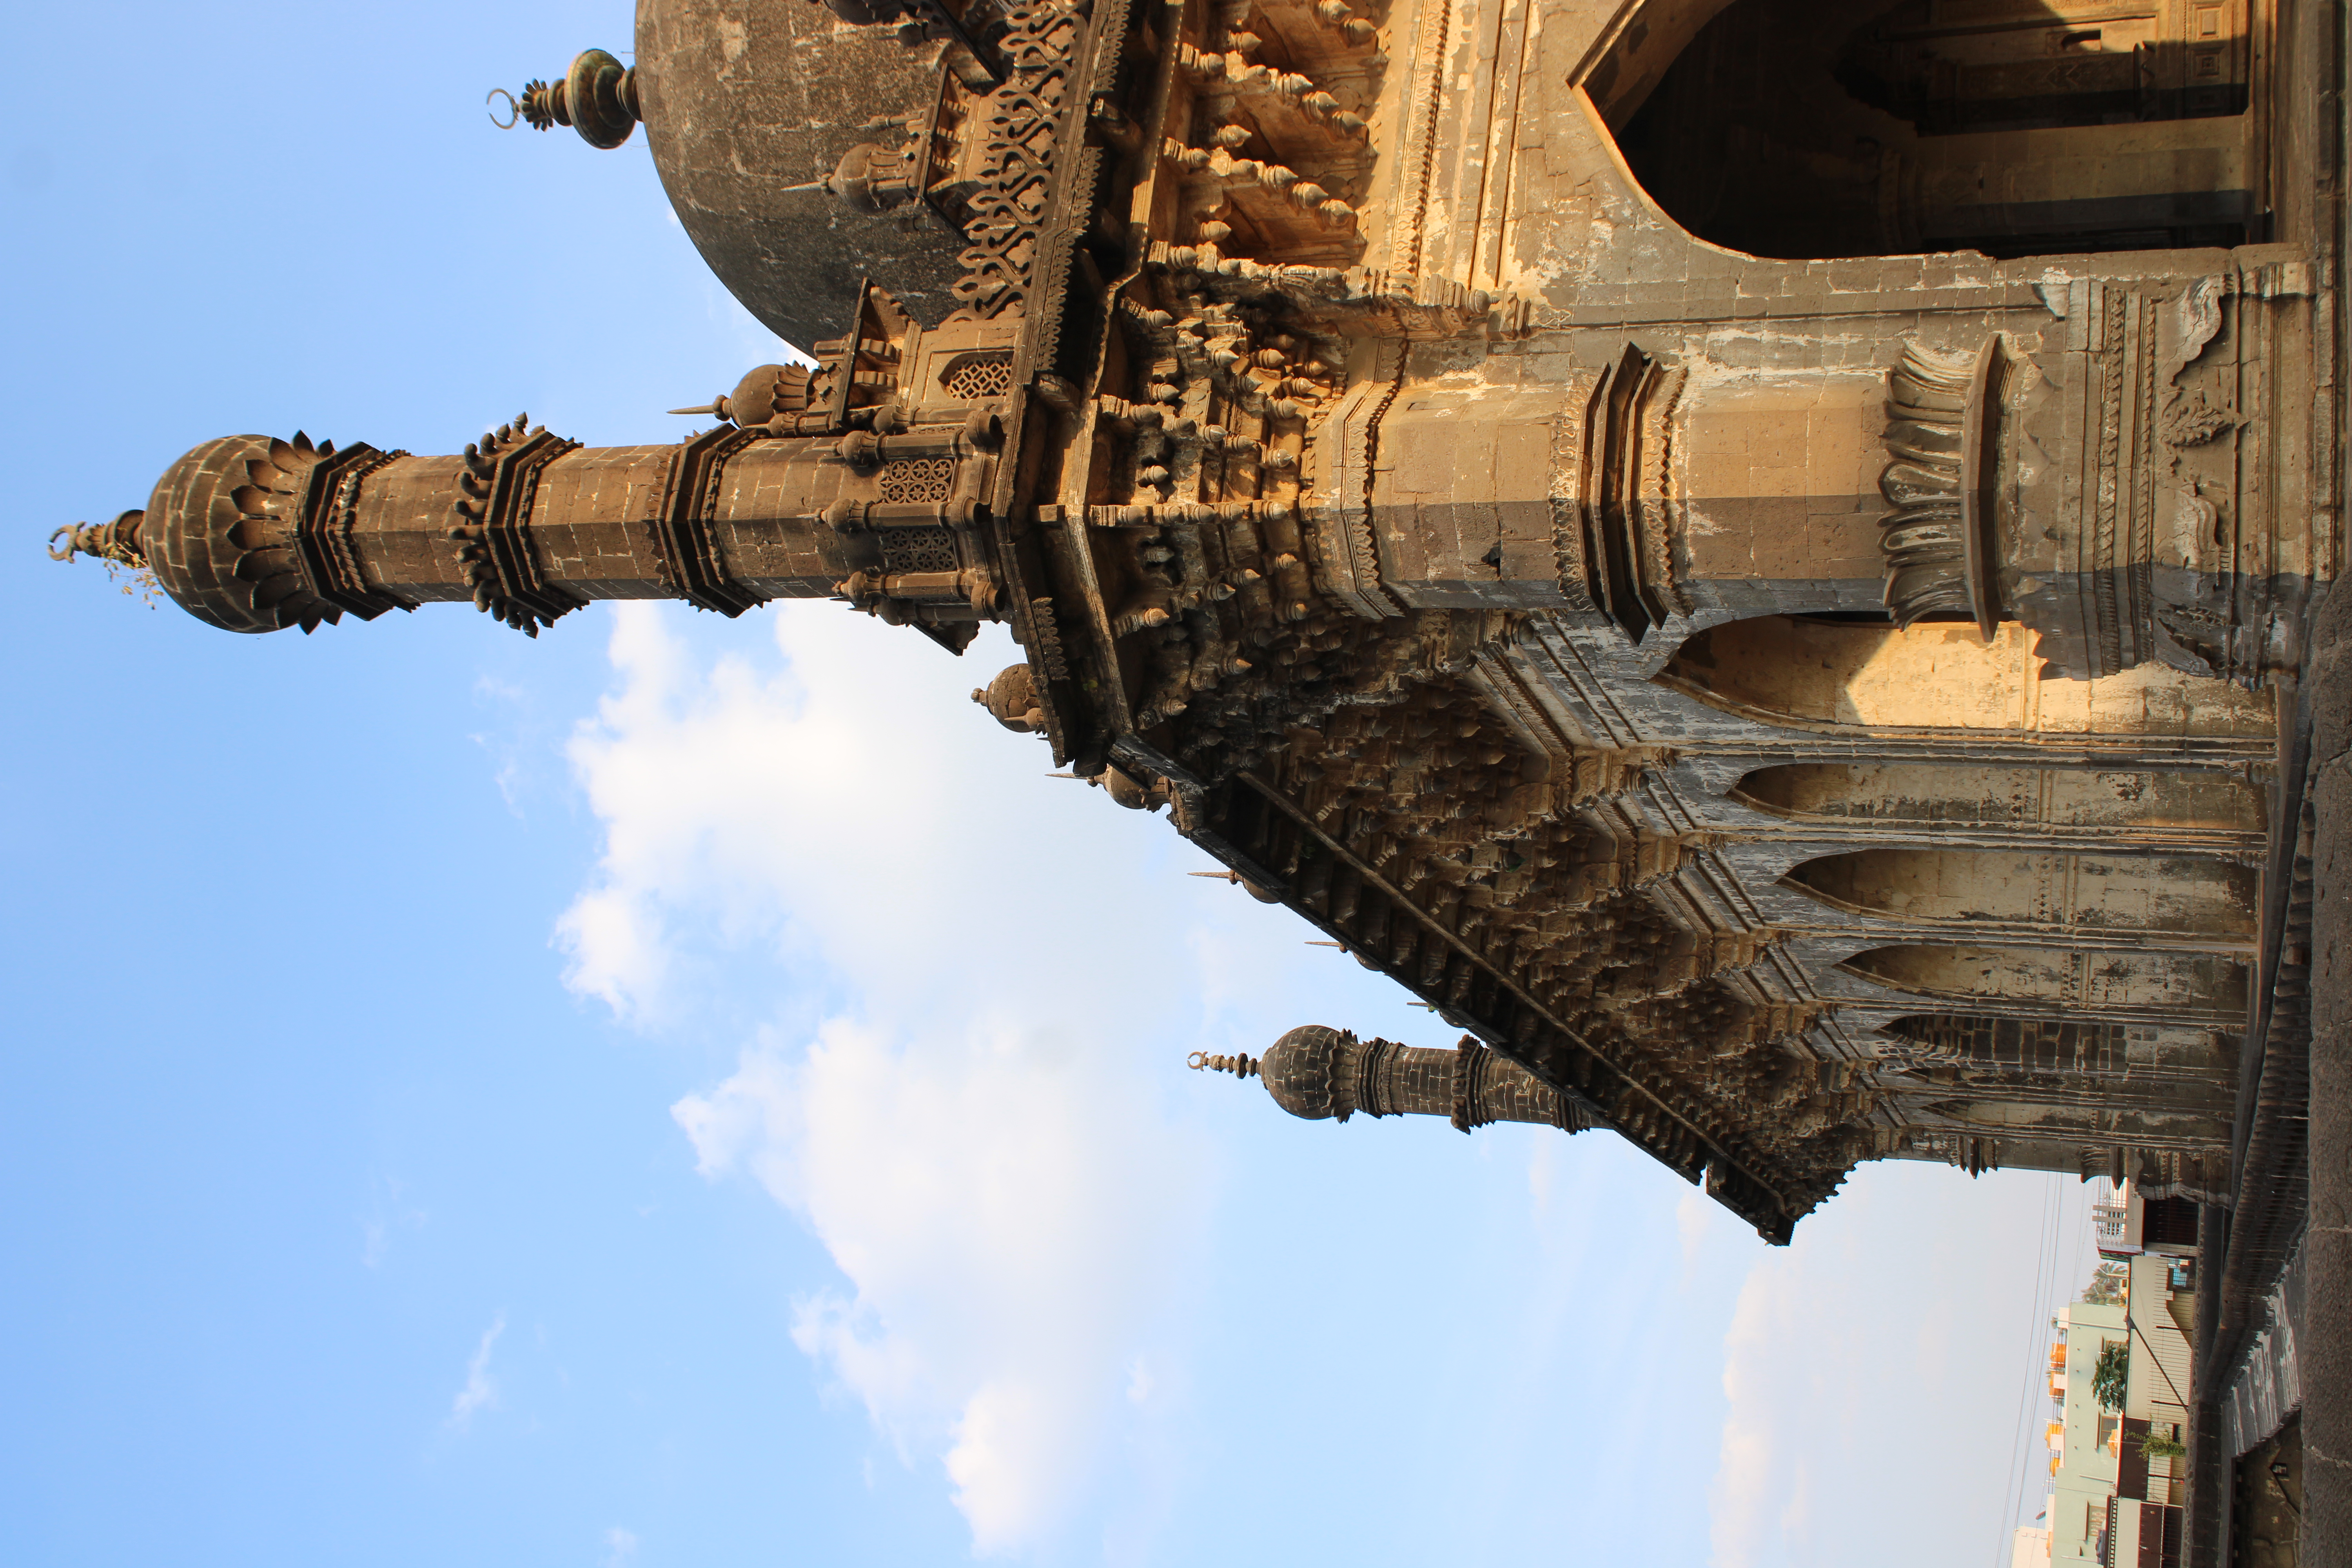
x: 823, y: 486
x: 1322, y: 1074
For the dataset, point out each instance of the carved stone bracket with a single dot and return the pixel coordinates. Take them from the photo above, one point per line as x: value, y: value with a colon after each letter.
x: 1619, y: 543
x: 1939, y: 443
x: 490, y: 523
x: 697, y: 572
x: 324, y: 533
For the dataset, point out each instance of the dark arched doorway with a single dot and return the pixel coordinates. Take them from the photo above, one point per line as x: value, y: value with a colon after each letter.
x: 1805, y: 129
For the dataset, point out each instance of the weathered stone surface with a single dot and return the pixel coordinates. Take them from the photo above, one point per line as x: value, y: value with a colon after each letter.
x: 751, y: 107
x: 1790, y: 711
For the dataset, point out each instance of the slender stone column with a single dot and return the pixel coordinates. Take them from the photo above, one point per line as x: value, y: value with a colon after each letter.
x: 1320, y: 1074
x: 254, y: 534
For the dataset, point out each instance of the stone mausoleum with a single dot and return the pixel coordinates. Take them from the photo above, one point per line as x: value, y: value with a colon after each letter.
x: 1755, y: 556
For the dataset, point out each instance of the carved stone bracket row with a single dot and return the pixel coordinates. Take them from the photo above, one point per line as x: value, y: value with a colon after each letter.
x: 1280, y: 849
x: 490, y: 525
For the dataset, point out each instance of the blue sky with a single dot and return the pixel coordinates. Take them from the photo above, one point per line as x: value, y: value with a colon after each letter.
x: 684, y: 1091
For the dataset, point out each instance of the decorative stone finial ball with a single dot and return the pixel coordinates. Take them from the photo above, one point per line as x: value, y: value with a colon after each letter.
x: 1305, y: 1070
x: 220, y: 533
x: 1012, y: 699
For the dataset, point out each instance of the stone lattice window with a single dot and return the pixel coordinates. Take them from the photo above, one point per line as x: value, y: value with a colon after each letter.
x: 977, y: 377
x: 917, y: 549
x: 916, y: 482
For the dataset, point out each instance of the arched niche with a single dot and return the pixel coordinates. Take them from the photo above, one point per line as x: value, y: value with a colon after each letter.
x: 1814, y: 672
x: 2210, y: 902
x: 1805, y: 129
x: 2137, y: 1125
x: 1811, y: 673
x: 2212, y: 810
x: 2060, y: 1046
x: 2203, y: 987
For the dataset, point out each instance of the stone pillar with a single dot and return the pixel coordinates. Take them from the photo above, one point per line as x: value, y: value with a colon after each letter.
x: 2097, y: 476
x: 1638, y: 493
x: 2096, y: 490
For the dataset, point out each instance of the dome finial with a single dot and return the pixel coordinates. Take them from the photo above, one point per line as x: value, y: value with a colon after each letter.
x: 116, y: 542
x: 597, y: 97
x: 1240, y: 1067
x: 115, y: 546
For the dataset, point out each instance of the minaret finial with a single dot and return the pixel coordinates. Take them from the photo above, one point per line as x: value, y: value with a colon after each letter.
x: 1239, y: 1065
x: 116, y: 542
x: 113, y: 545
x: 597, y: 97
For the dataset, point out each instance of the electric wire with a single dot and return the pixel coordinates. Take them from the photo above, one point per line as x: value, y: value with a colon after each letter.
x: 2016, y: 1422
x: 2046, y: 1246
x: 2059, y: 1259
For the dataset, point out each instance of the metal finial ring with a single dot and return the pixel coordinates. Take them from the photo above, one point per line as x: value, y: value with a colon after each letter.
x: 514, y: 108
x: 1196, y: 1061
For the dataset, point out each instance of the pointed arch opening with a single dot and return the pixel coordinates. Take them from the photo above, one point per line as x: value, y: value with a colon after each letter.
x: 1931, y: 678
x: 2202, y: 811
x: 1813, y: 672
x: 1814, y: 129
x: 2161, y: 987
x: 2206, y: 903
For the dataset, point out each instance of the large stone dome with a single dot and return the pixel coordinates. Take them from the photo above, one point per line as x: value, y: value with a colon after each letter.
x: 751, y: 107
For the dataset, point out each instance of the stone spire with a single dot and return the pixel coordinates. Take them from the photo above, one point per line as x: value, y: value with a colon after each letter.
x: 251, y: 533
x: 845, y: 481
x: 1320, y: 1074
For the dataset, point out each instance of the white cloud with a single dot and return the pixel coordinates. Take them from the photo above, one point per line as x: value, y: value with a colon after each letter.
x: 969, y: 1118
x: 620, y: 1546
x: 481, y: 1390
x: 1004, y: 1217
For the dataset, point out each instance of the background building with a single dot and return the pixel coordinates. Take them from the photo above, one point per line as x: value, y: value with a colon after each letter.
x: 2083, y: 1512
